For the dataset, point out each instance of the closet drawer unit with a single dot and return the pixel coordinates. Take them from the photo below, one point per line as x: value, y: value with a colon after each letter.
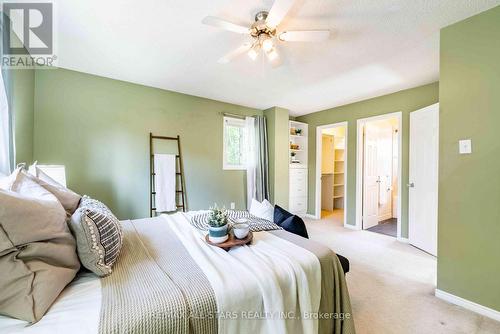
x: 296, y: 173
x: 298, y: 189
x: 298, y: 177
x: 298, y: 181
x: 298, y: 205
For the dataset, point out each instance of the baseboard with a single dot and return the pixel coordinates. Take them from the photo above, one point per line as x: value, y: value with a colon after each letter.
x: 467, y: 304
x: 351, y: 227
x: 307, y: 215
x: 404, y: 240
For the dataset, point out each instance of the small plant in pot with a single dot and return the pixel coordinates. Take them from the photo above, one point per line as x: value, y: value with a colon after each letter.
x: 217, y: 221
x: 298, y: 132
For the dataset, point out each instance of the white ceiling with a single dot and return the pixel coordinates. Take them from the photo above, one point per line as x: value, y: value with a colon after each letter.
x: 378, y: 47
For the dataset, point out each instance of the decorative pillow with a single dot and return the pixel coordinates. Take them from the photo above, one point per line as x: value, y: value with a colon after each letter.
x: 37, y: 252
x: 280, y: 214
x: 295, y: 225
x: 262, y: 210
x: 68, y: 198
x: 98, y: 236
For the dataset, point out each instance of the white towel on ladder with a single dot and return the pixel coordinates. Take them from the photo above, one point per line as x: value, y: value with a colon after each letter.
x: 164, y: 169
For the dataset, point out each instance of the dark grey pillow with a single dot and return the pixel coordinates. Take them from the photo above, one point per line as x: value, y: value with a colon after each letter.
x: 98, y: 235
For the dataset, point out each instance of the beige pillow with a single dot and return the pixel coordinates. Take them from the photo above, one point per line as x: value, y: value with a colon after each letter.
x: 68, y: 198
x: 37, y: 251
x: 7, y: 181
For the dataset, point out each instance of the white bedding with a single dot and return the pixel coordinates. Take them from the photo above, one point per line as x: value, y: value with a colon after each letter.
x: 262, y: 277
x: 264, y: 274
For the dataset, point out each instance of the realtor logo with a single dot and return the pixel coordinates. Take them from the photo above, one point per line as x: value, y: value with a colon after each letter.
x: 27, y: 34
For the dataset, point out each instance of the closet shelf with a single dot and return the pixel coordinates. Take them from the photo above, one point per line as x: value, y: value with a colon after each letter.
x: 339, y: 160
x: 338, y: 185
x: 336, y: 173
x: 338, y: 196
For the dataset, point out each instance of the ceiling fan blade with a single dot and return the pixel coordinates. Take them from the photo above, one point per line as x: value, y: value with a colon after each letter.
x: 304, y: 36
x: 235, y: 53
x: 278, y: 12
x: 226, y: 25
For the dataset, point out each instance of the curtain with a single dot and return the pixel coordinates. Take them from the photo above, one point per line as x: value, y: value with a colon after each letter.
x: 5, y: 131
x: 257, y: 160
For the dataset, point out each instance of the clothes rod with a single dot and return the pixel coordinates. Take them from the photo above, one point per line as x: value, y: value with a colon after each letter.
x: 233, y: 115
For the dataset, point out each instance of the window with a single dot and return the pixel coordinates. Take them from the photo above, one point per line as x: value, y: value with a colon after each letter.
x: 5, y: 132
x: 234, y: 151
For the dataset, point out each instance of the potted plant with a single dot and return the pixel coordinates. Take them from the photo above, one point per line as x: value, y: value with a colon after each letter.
x: 298, y: 131
x: 217, y: 221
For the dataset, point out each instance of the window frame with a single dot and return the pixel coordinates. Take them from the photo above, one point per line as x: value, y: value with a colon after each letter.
x: 235, y: 122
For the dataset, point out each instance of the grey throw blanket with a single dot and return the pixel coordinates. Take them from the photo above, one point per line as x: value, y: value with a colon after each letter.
x: 156, y: 287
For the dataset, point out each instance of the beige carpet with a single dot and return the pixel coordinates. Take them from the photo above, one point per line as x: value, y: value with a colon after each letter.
x: 392, y: 285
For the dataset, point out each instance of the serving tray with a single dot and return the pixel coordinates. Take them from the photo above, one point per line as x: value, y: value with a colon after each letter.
x: 231, y: 241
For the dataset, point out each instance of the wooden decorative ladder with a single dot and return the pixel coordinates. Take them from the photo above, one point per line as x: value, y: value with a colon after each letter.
x: 180, y: 186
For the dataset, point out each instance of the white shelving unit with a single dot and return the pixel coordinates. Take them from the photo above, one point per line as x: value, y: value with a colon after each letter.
x: 338, y: 177
x: 298, y: 155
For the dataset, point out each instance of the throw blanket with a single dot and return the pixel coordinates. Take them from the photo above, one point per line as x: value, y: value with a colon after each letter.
x: 168, y: 280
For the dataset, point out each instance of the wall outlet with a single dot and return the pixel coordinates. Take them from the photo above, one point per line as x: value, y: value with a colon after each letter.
x: 233, y: 206
x: 465, y: 146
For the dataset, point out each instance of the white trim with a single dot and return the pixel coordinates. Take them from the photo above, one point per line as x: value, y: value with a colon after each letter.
x: 319, y: 153
x: 309, y: 216
x: 403, y: 240
x: 359, y: 166
x: 351, y: 227
x: 467, y: 304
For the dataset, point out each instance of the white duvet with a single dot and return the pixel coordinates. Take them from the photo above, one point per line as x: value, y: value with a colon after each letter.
x: 257, y: 278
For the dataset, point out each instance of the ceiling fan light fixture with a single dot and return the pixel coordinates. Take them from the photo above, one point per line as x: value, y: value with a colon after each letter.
x: 267, y: 44
x: 252, y: 53
x: 272, y: 54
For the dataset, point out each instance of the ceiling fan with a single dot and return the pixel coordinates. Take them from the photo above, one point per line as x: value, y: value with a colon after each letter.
x: 265, y: 34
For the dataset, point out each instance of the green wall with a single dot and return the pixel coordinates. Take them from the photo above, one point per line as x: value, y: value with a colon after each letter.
x: 405, y: 101
x: 99, y: 129
x: 22, y: 90
x: 469, y: 185
x: 278, y: 131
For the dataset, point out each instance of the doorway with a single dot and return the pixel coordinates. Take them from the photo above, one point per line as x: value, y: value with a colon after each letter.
x: 378, y: 165
x: 331, y: 172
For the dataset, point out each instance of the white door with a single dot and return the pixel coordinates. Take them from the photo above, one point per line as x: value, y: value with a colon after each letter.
x: 384, y: 157
x: 370, y: 177
x: 423, y: 185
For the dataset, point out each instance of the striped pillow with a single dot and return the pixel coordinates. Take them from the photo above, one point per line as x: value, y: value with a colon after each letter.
x: 98, y: 235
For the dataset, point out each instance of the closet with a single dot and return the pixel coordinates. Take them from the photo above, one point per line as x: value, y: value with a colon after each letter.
x: 332, y: 169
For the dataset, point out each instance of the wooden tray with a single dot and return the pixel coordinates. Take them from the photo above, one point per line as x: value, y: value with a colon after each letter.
x: 232, y: 241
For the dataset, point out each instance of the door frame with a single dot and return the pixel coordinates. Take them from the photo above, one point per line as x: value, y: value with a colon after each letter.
x: 319, y: 154
x: 359, y: 166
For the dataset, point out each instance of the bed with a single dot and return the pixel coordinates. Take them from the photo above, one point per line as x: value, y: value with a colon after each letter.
x: 168, y: 280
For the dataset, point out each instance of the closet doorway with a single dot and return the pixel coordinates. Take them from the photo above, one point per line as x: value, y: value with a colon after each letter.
x: 378, y: 195
x: 331, y: 172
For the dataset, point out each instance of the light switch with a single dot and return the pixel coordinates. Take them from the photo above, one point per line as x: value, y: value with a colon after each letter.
x: 465, y: 146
